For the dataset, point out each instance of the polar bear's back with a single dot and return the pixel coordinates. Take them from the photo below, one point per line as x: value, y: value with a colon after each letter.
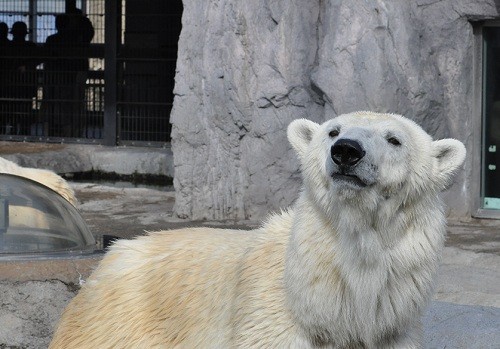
x: 45, y: 177
x: 167, y: 283
x: 177, y: 288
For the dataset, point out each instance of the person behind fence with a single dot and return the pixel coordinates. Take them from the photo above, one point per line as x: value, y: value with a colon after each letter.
x: 82, y: 32
x: 65, y: 73
x: 58, y: 80
x: 4, y: 32
x: 22, y: 77
x: 5, y: 127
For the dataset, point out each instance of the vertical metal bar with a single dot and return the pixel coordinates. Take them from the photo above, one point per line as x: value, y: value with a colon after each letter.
x: 70, y: 6
x: 110, y: 136
x: 32, y: 17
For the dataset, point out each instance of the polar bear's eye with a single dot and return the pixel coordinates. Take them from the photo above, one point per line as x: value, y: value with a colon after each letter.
x: 334, y: 133
x: 393, y: 140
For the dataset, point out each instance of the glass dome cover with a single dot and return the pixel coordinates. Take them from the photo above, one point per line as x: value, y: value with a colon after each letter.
x: 35, y: 219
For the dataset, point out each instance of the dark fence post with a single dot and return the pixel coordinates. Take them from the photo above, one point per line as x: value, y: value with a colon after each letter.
x: 111, y: 46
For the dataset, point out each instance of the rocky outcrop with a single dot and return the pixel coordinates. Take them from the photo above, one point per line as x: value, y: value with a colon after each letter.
x: 246, y: 69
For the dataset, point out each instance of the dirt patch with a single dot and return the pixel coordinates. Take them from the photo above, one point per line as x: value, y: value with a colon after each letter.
x: 474, y: 238
x: 28, y: 148
x: 86, y: 195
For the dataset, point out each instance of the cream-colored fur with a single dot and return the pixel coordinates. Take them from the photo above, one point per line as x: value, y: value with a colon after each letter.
x: 351, y: 265
x: 45, y: 177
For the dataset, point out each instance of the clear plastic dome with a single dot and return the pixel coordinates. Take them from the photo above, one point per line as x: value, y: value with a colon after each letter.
x: 34, y: 220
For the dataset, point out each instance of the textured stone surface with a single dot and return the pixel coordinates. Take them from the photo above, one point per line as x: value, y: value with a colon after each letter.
x: 448, y: 325
x: 70, y: 158
x: 29, y: 311
x: 33, y: 294
x: 246, y: 69
x: 243, y: 75
x: 70, y: 270
x: 469, y: 278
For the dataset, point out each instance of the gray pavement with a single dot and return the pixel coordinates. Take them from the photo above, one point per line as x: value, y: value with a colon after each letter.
x: 455, y: 326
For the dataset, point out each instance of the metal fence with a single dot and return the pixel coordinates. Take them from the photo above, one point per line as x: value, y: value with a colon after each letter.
x: 97, y: 71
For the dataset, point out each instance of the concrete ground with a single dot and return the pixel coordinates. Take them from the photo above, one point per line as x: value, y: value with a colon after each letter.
x: 465, y: 312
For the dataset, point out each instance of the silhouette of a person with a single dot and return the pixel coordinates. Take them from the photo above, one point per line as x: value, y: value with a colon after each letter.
x: 59, y: 78
x: 66, y: 73
x: 5, y: 127
x: 4, y: 32
x: 23, y: 64
x: 82, y: 32
x: 24, y: 49
x: 56, y: 45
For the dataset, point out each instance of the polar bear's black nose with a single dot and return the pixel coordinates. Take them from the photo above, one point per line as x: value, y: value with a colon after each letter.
x: 346, y: 152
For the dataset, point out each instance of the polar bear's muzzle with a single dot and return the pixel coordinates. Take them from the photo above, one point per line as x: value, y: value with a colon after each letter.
x: 346, y: 154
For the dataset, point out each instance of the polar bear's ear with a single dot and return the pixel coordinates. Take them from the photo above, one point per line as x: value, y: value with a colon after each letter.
x: 449, y: 155
x: 300, y: 132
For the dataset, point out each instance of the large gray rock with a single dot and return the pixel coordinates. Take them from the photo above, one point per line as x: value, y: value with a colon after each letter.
x: 247, y: 68
x: 243, y: 75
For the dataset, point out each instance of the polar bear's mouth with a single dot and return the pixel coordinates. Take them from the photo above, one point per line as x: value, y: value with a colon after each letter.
x: 349, y: 178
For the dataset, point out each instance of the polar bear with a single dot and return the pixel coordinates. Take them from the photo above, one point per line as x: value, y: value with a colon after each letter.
x: 45, y: 177
x: 350, y: 265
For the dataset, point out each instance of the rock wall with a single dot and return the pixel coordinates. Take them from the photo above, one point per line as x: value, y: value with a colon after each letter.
x: 246, y: 69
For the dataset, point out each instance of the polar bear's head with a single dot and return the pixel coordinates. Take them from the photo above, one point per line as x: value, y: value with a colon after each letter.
x: 372, y: 156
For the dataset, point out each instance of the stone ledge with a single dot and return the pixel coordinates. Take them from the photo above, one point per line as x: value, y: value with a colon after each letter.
x: 67, y: 270
x: 71, y: 158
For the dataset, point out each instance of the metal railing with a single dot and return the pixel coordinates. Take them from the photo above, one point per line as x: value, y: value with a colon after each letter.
x: 100, y: 73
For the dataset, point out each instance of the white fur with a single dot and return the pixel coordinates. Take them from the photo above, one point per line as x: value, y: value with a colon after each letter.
x: 45, y: 177
x: 350, y: 266
x: 26, y: 216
